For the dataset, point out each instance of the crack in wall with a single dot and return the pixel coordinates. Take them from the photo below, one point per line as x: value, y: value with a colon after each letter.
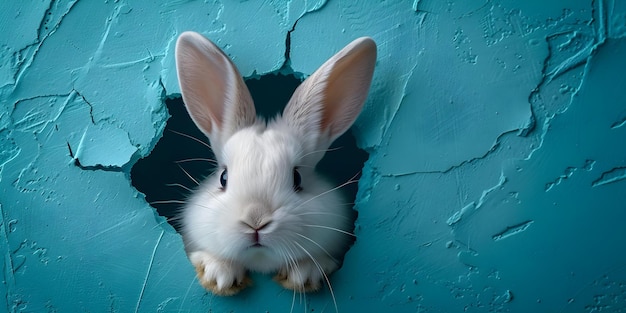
x: 619, y: 123
x: 529, y: 133
x: 24, y: 63
x: 495, y: 149
x: 611, y: 176
x: 512, y: 230
x: 27, y: 112
x: 568, y: 172
x: 97, y: 167
x: 35, y: 117
x: 286, y: 68
x: 93, y: 121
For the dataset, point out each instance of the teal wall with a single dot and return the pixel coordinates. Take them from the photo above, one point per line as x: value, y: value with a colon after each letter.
x: 496, y: 132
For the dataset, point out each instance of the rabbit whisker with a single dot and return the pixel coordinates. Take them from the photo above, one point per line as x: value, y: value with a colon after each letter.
x: 318, y: 245
x: 289, y: 252
x: 287, y: 259
x: 319, y: 151
x: 331, y: 228
x: 197, y: 159
x: 293, y: 301
x: 327, y: 191
x: 159, y: 224
x: 221, y: 204
x: 305, y: 166
x: 167, y: 202
x: 191, y: 137
x: 294, y: 266
x: 289, y: 264
x: 319, y: 267
x: 175, y: 218
x: 188, y: 175
x: 325, y: 213
x: 180, y: 185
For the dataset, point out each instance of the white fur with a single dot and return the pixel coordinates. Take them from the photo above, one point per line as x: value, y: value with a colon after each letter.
x: 302, y: 233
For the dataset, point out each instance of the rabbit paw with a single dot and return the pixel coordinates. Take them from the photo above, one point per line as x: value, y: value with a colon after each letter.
x: 218, y: 276
x: 306, y: 276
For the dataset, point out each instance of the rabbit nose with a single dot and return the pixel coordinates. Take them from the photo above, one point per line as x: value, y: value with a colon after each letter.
x: 258, y: 216
x: 257, y: 225
x: 256, y: 237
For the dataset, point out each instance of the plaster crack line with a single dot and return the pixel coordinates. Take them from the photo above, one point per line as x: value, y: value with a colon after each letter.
x: 512, y: 230
x: 44, y: 20
x: 621, y: 122
x: 494, y: 148
x: 25, y: 64
x: 285, y: 68
x: 72, y: 153
x: 145, y: 281
x: 74, y: 156
x: 614, y: 175
x: 76, y: 92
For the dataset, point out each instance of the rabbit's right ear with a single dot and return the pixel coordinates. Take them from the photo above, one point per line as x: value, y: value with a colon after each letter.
x: 326, y: 104
x: 214, y: 93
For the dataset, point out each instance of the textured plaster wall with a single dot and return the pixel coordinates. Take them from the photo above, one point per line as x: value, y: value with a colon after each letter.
x: 496, y: 131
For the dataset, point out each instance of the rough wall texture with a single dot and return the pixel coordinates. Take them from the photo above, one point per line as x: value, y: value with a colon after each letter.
x: 496, y: 131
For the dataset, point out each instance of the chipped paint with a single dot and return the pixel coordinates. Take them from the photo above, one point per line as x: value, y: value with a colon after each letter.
x: 495, y: 131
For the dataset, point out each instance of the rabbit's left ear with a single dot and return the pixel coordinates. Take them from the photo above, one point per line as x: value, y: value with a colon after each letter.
x: 326, y: 104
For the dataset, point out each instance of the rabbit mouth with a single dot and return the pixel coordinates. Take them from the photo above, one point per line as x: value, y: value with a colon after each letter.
x: 257, y: 246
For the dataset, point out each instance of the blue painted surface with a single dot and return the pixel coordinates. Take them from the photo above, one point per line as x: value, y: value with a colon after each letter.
x: 496, y: 130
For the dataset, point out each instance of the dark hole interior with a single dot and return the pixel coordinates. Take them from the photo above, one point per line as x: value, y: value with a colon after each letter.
x: 166, y: 175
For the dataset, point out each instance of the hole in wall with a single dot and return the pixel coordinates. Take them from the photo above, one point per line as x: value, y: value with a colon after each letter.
x: 173, y: 167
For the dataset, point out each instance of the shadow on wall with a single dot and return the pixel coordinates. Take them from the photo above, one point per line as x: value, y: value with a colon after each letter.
x: 181, y: 157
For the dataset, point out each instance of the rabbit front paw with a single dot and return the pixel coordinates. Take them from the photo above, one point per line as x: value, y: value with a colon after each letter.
x: 218, y: 276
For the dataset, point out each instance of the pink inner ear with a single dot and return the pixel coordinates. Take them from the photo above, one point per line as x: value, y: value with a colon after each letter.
x: 202, y: 77
x: 213, y: 91
x: 347, y: 87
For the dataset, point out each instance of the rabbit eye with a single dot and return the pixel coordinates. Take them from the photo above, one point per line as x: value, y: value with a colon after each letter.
x: 224, y: 178
x: 297, y: 180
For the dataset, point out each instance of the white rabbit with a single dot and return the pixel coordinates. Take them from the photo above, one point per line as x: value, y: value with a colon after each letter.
x: 265, y: 209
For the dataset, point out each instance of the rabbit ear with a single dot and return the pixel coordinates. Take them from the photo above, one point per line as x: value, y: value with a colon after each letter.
x: 214, y: 93
x: 326, y: 104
